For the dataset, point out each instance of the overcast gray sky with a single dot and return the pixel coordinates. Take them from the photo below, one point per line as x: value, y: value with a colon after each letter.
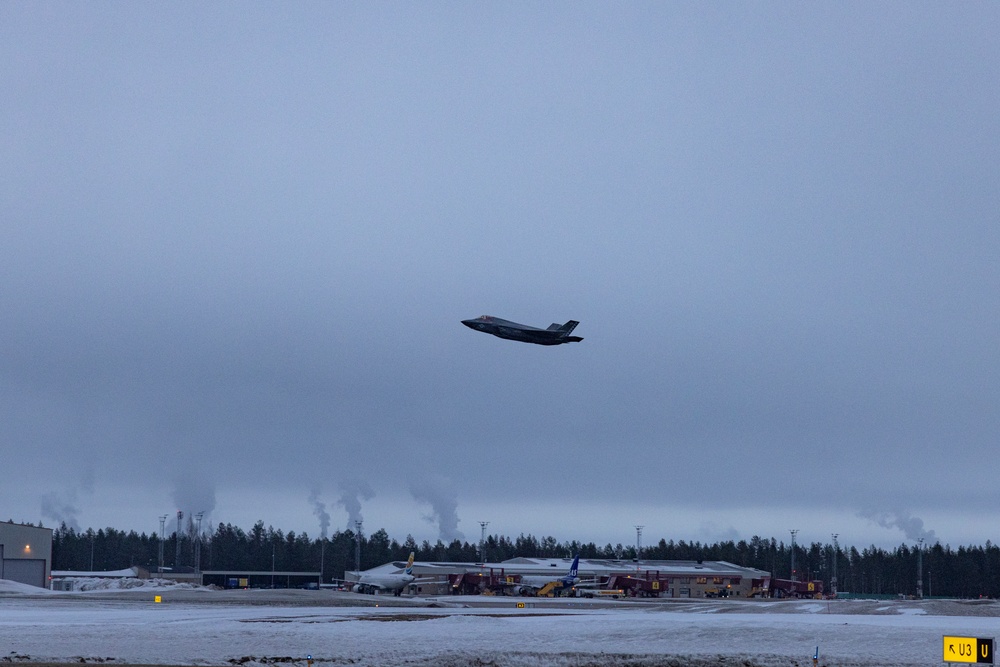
x: 238, y: 238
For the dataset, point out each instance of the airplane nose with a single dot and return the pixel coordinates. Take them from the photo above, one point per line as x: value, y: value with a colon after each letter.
x: 469, y: 323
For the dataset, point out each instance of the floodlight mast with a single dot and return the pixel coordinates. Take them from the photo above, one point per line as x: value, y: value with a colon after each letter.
x: 357, y: 547
x: 920, y: 568
x: 833, y: 579
x: 322, y: 557
x: 163, y: 519
x: 177, y: 533
x: 482, y: 541
x: 638, y: 543
x: 197, y: 542
x: 793, y: 531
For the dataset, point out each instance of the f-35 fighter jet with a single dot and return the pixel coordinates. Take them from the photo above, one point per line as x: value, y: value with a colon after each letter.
x: 556, y: 334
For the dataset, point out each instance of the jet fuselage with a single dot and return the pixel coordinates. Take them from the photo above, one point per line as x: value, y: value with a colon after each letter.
x: 555, y: 335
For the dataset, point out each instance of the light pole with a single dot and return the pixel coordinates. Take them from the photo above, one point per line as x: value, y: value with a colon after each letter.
x: 638, y: 543
x: 833, y: 579
x: 272, y: 564
x: 920, y: 568
x: 357, y: 547
x: 163, y: 519
x: 322, y: 557
x: 177, y: 534
x: 197, y: 543
x: 482, y: 540
x: 793, y: 531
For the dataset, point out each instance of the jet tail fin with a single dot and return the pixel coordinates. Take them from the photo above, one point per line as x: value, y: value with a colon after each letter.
x: 567, y: 328
x: 575, y: 566
x: 409, y: 564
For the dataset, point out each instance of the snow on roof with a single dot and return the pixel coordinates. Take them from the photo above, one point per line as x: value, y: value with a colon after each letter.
x: 127, y: 572
x: 590, y: 567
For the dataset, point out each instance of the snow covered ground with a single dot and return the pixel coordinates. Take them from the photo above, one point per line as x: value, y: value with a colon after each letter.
x: 204, y: 627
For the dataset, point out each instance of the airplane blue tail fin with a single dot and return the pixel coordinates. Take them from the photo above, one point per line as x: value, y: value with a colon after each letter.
x: 575, y: 566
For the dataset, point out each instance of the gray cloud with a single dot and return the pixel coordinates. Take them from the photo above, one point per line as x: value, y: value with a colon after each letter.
x: 776, y: 226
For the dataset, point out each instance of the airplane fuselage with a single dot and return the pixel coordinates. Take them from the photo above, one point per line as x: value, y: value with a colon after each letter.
x: 554, y: 335
x: 386, y: 582
x: 540, y: 582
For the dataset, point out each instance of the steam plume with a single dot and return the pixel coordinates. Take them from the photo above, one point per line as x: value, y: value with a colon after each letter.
x: 912, y: 527
x: 319, y: 509
x: 194, y: 494
x: 61, y: 509
x: 440, y: 495
x: 354, y: 492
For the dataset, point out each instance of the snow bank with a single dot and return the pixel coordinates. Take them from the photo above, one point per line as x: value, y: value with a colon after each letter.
x: 8, y: 587
x: 85, y: 584
x: 138, y: 630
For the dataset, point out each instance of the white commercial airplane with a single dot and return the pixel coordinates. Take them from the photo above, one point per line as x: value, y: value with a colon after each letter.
x: 532, y: 583
x: 386, y: 581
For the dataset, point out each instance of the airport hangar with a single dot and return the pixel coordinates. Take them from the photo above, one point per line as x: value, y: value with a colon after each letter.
x: 25, y: 553
x: 646, y: 578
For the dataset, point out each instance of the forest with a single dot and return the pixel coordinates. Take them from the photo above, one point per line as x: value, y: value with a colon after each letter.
x: 962, y: 572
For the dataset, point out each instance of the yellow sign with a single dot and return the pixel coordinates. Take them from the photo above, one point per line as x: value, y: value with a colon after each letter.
x: 968, y: 649
x: 656, y: 585
x: 157, y: 599
x: 520, y: 605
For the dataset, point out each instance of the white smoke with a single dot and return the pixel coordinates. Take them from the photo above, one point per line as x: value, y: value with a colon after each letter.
x: 912, y: 527
x: 319, y: 509
x: 354, y: 492
x: 193, y: 494
x: 439, y: 493
x: 61, y: 509
x: 63, y: 506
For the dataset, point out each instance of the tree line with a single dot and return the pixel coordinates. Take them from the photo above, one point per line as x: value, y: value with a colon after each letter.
x: 965, y: 572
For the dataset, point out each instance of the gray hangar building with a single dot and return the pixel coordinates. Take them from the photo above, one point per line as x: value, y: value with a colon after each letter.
x: 25, y: 553
x: 645, y: 578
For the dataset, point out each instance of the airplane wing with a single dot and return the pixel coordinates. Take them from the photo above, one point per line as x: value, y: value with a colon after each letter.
x: 543, y: 333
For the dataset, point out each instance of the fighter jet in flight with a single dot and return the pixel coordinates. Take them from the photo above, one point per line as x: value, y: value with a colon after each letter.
x: 556, y: 334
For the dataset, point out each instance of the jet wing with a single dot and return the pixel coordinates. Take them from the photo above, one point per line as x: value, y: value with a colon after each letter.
x: 541, y: 333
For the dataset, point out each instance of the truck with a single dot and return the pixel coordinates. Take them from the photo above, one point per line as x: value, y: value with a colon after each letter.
x: 786, y: 588
x: 613, y: 593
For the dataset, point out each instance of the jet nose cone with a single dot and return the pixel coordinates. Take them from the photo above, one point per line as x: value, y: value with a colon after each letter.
x: 469, y: 323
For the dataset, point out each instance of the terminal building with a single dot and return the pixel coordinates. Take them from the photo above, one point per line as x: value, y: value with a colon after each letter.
x: 25, y: 553
x: 644, y: 578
